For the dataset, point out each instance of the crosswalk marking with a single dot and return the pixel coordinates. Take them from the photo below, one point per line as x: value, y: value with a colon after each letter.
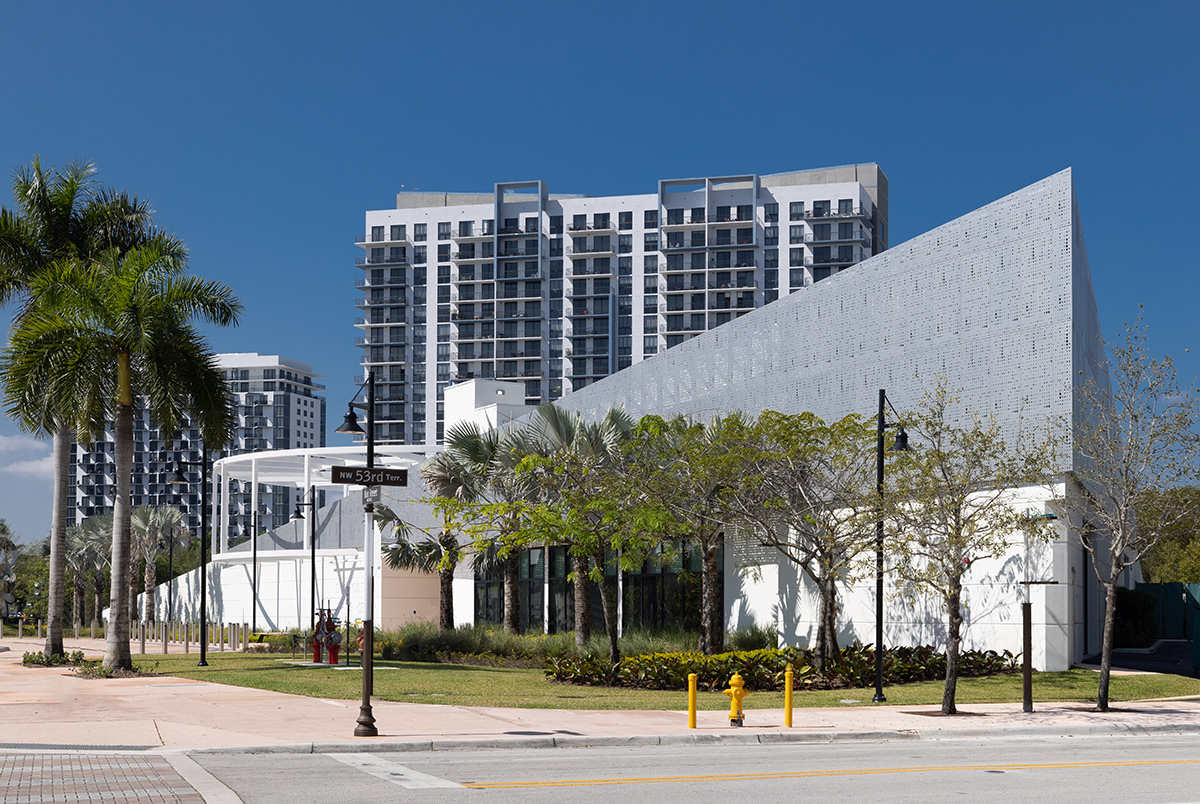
x: 391, y: 772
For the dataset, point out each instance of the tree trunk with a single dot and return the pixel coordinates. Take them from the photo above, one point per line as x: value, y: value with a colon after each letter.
x: 583, y: 601
x: 446, y: 599
x: 1106, y: 643
x: 97, y: 595
x: 150, y: 581
x: 953, y: 645
x: 77, y: 599
x: 512, y: 597
x: 56, y: 594
x: 827, y: 646
x: 133, y: 585
x: 116, y: 650
x: 608, y: 600
x: 712, y: 635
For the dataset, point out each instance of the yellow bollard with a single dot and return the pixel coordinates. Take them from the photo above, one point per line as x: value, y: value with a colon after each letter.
x: 787, y: 696
x: 736, y: 692
x: 691, y: 700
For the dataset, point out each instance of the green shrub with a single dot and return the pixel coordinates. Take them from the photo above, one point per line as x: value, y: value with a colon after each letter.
x: 753, y: 637
x: 764, y: 669
x: 1135, y: 626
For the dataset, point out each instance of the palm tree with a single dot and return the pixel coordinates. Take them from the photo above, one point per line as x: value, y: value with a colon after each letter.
x: 87, y: 551
x: 97, y: 531
x: 585, y: 457
x: 488, y: 461
x: 98, y: 336
x: 61, y: 215
x: 154, y: 527
x: 439, y: 554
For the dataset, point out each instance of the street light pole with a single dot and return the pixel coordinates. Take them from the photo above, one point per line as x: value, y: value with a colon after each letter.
x: 180, y: 480
x: 366, y: 719
x: 312, y: 546
x: 901, y: 445
x: 254, y: 577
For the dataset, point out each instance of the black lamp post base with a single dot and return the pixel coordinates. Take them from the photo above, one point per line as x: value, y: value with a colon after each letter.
x: 366, y: 723
x: 202, y: 663
x: 879, y: 698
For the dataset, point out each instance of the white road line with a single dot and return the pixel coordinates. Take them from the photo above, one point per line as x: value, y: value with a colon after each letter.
x: 391, y: 772
x: 208, y: 786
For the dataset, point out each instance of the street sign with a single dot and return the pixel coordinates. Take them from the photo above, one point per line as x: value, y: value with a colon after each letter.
x: 372, y: 494
x: 362, y: 476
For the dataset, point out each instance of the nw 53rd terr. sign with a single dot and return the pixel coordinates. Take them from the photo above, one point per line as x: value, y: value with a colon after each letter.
x: 362, y: 476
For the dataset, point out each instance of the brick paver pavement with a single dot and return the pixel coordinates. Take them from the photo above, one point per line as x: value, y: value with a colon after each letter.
x: 38, y: 778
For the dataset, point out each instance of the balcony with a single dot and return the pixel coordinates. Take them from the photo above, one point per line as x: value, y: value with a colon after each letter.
x: 685, y: 222
x: 473, y: 236
x: 860, y: 235
x: 367, y: 282
x: 684, y: 246
x: 469, y: 256
x: 593, y: 271
x: 512, y: 231
x: 396, y: 260
x: 730, y: 217
x: 854, y: 212
x: 591, y: 227
x: 514, y: 252
x: 590, y: 250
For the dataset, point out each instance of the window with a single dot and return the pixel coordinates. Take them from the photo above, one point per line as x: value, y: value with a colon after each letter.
x: 650, y: 241
x: 723, y: 214
x: 601, y: 220
x: 796, y: 211
x: 650, y: 219
x: 625, y: 220
x: 531, y: 225
x: 556, y: 247
x: 624, y: 244
x: 376, y: 234
x: 419, y: 232
x: 771, y: 279
x: 845, y: 206
x: 418, y: 254
x: 465, y: 228
x: 745, y: 236
x: 745, y: 212
x: 444, y: 231
x: 795, y: 234
x: 579, y: 223
x: 771, y: 258
x: 796, y: 277
x: 489, y: 227
x: 795, y: 256
x: 625, y: 266
x: 650, y: 324
x: 820, y: 209
x: 443, y: 274
x: 556, y: 224
x: 398, y: 232
x: 444, y: 252
x: 675, y: 217
x: 771, y: 236
x: 697, y: 215
x: 771, y: 213
x: 650, y: 263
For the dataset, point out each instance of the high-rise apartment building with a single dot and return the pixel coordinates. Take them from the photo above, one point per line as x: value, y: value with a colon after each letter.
x: 559, y: 291
x: 278, y: 408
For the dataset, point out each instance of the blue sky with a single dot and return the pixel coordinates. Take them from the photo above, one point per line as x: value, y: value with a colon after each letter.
x: 262, y: 131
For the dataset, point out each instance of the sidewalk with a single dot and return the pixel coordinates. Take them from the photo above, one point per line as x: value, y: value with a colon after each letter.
x: 52, y: 709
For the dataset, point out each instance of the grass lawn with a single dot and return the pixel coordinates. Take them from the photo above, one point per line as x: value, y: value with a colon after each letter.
x: 504, y: 687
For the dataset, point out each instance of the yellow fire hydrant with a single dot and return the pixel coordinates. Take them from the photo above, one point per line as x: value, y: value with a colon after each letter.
x: 736, y: 692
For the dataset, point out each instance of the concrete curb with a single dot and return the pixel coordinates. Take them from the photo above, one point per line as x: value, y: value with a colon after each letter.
x: 704, y: 738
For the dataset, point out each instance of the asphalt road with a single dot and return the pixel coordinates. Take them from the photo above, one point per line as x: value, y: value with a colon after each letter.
x: 1128, y: 769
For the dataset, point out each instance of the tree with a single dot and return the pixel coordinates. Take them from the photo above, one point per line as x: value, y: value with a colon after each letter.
x: 1175, y: 557
x: 952, y: 502
x: 446, y: 479
x: 691, y: 471
x: 817, y: 481
x: 586, y: 504
x: 1137, y: 447
x: 434, y: 554
x: 98, y: 336
x: 154, y: 528
x: 488, y: 461
x: 60, y: 214
x: 97, y: 529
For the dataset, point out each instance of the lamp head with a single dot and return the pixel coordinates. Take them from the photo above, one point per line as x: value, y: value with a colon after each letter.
x: 350, y: 424
x: 901, y: 443
x: 178, y: 479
